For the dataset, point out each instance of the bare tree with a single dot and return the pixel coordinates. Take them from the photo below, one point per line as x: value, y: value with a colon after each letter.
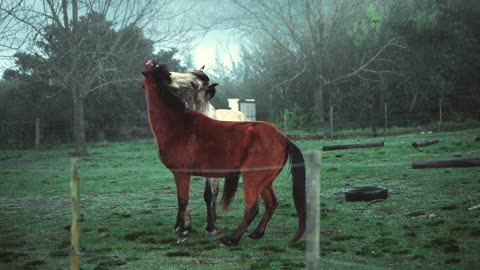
x: 82, y: 62
x: 306, y: 31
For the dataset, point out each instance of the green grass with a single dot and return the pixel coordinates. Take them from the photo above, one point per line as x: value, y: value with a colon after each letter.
x: 128, y: 209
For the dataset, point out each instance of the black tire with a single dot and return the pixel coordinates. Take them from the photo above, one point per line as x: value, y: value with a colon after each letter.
x: 365, y: 194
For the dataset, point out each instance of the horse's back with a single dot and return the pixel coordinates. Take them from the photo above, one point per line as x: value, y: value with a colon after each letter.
x: 228, y: 144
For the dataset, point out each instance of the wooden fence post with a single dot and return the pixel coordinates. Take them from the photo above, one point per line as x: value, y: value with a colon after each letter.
x: 386, y: 122
x: 331, y: 121
x: 440, y: 111
x: 313, y: 212
x: 75, y: 229
x: 37, y: 132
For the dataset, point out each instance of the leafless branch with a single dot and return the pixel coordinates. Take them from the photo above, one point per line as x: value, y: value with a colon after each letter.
x: 290, y: 79
x: 364, y: 67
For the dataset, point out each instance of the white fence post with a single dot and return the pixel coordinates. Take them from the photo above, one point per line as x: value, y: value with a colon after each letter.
x: 313, y: 212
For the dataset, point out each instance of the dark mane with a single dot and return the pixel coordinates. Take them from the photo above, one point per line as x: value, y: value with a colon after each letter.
x: 163, y: 80
x: 201, y: 75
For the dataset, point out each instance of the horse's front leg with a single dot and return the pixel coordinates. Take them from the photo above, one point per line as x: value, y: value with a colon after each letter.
x: 183, y: 225
x: 210, y: 197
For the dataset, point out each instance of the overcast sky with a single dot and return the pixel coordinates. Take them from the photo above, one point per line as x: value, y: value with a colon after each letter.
x: 202, y: 48
x: 223, y: 41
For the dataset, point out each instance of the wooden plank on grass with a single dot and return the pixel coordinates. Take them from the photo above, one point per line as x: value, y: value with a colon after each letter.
x: 425, y: 143
x: 352, y: 146
x: 449, y: 163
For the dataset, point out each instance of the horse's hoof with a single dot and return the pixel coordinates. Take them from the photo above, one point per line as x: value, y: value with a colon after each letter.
x: 229, y: 242
x: 181, y: 240
x: 211, y: 233
x: 182, y: 237
x: 255, y: 235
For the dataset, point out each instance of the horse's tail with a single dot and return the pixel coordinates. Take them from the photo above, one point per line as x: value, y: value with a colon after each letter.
x: 229, y: 189
x: 297, y: 167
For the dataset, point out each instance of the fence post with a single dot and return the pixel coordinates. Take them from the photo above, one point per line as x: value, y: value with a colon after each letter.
x: 75, y: 229
x: 285, y: 121
x: 386, y: 122
x: 331, y: 121
x: 313, y: 212
x: 37, y: 131
x: 440, y: 111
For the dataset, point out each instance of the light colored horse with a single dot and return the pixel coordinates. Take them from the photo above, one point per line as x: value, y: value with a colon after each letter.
x: 190, y: 87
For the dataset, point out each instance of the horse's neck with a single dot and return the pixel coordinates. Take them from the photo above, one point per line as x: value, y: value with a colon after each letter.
x: 207, y: 109
x: 162, y: 120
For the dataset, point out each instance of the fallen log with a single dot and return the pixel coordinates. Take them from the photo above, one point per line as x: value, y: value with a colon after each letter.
x: 425, y: 143
x: 449, y: 163
x: 307, y: 137
x: 351, y: 146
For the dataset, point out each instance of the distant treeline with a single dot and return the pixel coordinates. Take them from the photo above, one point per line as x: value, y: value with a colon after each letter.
x: 413, y: 57
x: 309, y: 59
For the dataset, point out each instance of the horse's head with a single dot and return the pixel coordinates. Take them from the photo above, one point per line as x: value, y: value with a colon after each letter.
x: 158, y: 72
x: 193, y: 87
x: 156, y: 77
x: 191, y: 90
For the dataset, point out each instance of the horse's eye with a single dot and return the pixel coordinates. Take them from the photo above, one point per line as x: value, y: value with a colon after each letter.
x: 193, y: 84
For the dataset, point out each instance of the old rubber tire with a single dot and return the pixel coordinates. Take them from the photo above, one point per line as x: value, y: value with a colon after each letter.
x: 365, y: 194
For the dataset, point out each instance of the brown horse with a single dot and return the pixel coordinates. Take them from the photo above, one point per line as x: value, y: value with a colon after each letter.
x: 195, y: 89
x: 188, y: 144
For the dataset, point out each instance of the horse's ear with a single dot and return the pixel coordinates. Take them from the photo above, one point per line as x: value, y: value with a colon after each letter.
x: 202, y: 68
x: 211, y: 91
x: 212, y: 85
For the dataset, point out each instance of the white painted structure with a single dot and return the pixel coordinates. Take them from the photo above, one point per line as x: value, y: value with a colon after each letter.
x: 246, y: 106
x: 233, y: 104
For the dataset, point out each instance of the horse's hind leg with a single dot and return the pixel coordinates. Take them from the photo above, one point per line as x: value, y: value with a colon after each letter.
x: 251, y: 211
x: 253, y: 183
x: 210, y: 197
x: 183, y: 225
x: 270, y: 204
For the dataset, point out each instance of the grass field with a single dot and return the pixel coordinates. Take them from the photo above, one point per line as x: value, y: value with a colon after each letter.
x: 128, y: 209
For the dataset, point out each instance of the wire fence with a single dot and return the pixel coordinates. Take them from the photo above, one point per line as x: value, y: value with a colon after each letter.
x: 28, y: 133
x: 138, y: 258
x: 86, y: 258
x: 40, y: 131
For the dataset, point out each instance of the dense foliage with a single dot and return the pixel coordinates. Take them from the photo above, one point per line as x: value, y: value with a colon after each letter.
x: 109, y: 64
x: 357, y: 56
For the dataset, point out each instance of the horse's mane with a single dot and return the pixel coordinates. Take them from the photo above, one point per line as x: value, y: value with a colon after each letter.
x: 161, y: 74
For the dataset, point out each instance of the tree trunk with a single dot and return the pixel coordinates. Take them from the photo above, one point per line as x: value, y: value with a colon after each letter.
x: 318, y: 104
x: 78, y: 124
